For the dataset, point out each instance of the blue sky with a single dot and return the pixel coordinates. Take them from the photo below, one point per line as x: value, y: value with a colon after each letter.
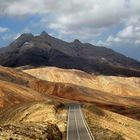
x: 113, y: 23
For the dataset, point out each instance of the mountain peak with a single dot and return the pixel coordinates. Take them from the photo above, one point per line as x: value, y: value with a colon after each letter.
x: 26, y: 35
x: 44, y: 33
x: 45, y: 50
x: 76, y: 41
x: 77, y: 44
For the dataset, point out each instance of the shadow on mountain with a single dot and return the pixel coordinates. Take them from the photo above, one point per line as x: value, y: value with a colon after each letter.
x: 44, y: 50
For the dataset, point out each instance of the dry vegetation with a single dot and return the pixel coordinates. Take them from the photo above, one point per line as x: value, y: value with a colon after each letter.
x: 106, y: 125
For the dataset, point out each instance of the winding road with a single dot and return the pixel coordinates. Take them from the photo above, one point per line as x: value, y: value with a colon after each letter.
x: 77, y: 128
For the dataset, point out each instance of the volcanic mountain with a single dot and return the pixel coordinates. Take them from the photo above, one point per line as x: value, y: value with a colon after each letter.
x: 45, y: 50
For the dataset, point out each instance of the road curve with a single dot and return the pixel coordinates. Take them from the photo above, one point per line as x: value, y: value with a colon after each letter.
x: 77, y: 128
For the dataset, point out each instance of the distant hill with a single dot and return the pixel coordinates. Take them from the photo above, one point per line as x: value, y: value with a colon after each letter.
x: 122, y: 86
x: 45, y: 50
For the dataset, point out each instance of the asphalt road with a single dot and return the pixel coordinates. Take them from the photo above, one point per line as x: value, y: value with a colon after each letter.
x: 77, y: 128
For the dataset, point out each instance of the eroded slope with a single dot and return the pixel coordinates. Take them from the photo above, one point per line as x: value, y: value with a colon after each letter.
x: 123, y: 86
x: 106, y: 125
x: 118, y: 94
x: 36, y: 120
x: 11, y: 94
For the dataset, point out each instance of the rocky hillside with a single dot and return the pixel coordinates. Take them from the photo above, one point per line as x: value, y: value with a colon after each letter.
x: 36, y: 120
x: 30, y: 131
x: 45, y: 50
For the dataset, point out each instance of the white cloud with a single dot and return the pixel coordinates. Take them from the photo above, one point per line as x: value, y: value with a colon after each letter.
x: 112, y: 39
x: 79, y: 18
x: 20, y: 7
x: 3, y: 29
x: 137, y: 42
x: 129, y: 34
x: 10, y: 36
x: 100, y: 43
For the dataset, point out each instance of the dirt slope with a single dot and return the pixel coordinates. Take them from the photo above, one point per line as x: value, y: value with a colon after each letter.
x: 118, y: 94
x: 11, y: 94
x: 36, y: 120
x: 112, y: 84
x: 28, y: 88
x: 83, y: 94
x: 106, y: 125
x: 14, y: 87
x: 64, y: 90
x: 15, y: 76
x: 37, y: 112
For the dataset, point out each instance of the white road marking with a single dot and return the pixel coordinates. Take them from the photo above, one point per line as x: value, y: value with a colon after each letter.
x: 73, y: 108
x: 86, y: 125
x: 68, y: 124
x: 76, y: 124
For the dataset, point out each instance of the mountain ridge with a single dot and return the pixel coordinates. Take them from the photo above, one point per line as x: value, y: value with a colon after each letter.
x: 45, y: 50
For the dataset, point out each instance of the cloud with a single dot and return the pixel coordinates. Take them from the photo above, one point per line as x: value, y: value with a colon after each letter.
x: 10, y: 36
x: 129, y: 34
x: 3, y: 29
x: 113, y: 23
x: 20, y: 7
x: 77, y: 18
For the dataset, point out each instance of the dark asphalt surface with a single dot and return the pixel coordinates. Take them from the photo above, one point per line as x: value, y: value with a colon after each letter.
x: 76, y: 128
